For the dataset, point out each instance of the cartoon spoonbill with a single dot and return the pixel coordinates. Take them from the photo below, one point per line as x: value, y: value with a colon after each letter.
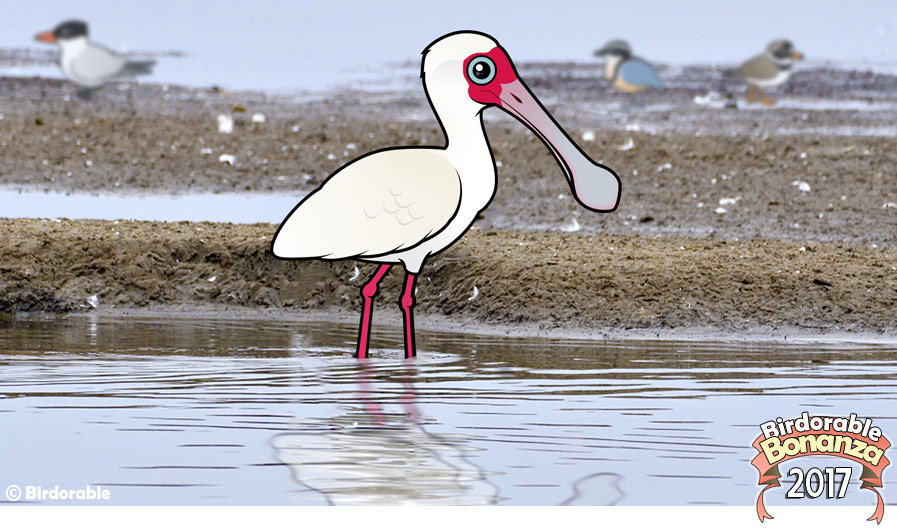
x: 404, y: 204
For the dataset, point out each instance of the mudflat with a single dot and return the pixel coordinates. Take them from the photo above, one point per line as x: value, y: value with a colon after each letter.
x: 733, y: 217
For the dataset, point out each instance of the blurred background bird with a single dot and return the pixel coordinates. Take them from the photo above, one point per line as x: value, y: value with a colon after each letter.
x: 767, y: 70
x: 625, y: 71
x: 88, y: 64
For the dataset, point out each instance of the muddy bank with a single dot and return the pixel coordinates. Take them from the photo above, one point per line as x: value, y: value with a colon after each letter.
x: 548, y: 280
x: 679, y: 161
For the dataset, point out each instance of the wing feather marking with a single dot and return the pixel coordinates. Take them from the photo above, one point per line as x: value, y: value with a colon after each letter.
x: 345, y: 217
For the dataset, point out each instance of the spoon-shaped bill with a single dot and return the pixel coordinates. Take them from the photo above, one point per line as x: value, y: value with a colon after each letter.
x: 595, y: 186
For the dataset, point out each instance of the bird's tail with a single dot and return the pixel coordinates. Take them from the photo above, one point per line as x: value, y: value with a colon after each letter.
x: 133, y: 68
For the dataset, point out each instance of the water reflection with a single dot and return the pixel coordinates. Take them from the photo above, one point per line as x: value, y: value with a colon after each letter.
x: 596, y: 489
x: 189, y: 411
x: 365, y: 455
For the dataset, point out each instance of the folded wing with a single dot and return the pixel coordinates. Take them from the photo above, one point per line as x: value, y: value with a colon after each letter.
x: 760, y: 67
x: 638, y: 72
x: 95, y: 64
x: 385, y: 202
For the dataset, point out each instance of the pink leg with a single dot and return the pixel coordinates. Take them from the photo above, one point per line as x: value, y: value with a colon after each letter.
x: 407, y: 303
x: 368, y: 291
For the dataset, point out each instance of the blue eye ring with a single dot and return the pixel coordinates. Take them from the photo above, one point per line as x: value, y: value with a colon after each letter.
x: 481, y: 70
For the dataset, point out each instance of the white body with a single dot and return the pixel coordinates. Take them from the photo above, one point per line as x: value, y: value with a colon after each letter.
x: 776, y: 80
x: 88, y: 64
x: 477, y: 178
x: 394, y: 206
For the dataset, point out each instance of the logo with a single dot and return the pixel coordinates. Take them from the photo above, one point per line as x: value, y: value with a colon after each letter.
x: 13, y: 493
x: 846, y: 437
x: 38, y: 493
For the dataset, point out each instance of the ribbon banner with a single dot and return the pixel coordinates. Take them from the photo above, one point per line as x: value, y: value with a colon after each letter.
x: 848, y: 438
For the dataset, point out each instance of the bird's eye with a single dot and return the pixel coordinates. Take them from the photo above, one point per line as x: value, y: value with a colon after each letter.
x: 481, y: 70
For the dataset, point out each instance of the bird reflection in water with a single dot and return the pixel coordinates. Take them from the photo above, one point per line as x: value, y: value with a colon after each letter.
x: 368, y: 456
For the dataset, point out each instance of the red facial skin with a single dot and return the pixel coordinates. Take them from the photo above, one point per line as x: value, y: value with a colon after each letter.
x: 488, y: 94
x: 508, y: 92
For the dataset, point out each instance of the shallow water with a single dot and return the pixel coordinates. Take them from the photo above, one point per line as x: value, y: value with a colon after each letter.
x: 245, y: 208
x: 191, y: 411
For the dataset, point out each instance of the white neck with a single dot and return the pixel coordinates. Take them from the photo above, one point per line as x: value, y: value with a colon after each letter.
x: 610, y: 66
x: 457, y: 112
x: 463, y: 131
x: 73, y: 45
x: 781, y: 62
x: 466, y: 145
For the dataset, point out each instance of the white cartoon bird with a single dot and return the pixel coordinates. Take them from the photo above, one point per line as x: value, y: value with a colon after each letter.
x: 401, y: 205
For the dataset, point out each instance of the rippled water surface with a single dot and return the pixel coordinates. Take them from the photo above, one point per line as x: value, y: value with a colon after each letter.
x: 186, y: 411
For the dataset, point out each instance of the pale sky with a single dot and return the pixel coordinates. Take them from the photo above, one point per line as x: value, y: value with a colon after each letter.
x: 295, y: 44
